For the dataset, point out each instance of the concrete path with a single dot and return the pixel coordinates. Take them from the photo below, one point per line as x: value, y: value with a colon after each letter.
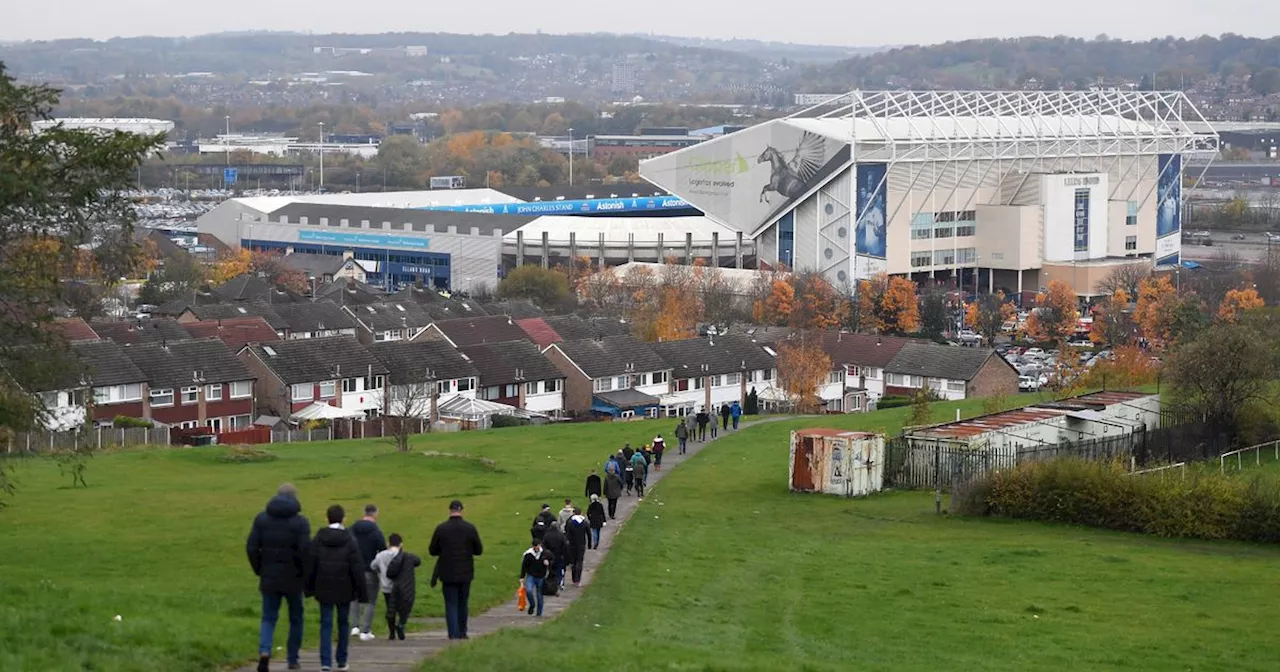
x: 382, y: 655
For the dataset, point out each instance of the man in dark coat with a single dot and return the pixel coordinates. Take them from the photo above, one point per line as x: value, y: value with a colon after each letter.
x: 595, y: 516
x: 456, y: 543
x: 555, y: 541
x: 546, y: 516
x: 278, y: 548
x: 369, y: 538
x: 595, y: 486
x: 682, y: 435
x: 724, y: 416
x: 704, y: 419
x: 336, y: 579
x: 402, y: 570
x: 612, y: 491
x: 579, y: 532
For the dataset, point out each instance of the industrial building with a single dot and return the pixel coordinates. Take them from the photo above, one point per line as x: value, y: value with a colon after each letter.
x: 107, y: 124
x: 993, y: 189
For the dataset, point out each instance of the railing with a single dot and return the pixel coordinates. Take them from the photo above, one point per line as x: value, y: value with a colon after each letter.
x: 1181, y: 466
x: 1224, y: 458
x: 97, y: 438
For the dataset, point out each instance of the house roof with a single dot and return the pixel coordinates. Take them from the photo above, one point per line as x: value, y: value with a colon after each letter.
x: 721, y: 354
x: 106, y: 363
x: 862, y: 349
x: 476, y: 330
x: 449, y: 309
x: 573, y: 328
x: 510, y: 362
x: 141, y: 331
x: 185, y: 363
x: 164, y: 245
x: 236, y: 332
x: 223, y: 311
x: 414, y: 361
x: 318, y: 316
x: 940, y: 361
x: 391, y: 315
x: 76, y: 329
x: 538, y: 331
x: 308, y: 360
x: 349, y: 292
x: 627, y: 399
x: 515, y: 308
x: 1005, y: 420
x: 418, y: 295
x: 612, y: 355
x: 318, y: 265
x: 243, y: 287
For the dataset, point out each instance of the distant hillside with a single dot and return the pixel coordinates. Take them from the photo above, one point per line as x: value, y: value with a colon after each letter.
x: 772, y: 51
x: 1053, y: 62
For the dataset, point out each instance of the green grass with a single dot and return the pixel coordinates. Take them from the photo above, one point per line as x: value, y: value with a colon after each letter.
x: 724, y: 569
x: 158, y: 536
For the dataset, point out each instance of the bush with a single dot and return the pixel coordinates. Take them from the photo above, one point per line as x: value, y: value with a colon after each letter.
x: 1203, y: 505
x: 893, y: 401
x: 126, y: 422
x: 246, y: 455
x: 498, y: 421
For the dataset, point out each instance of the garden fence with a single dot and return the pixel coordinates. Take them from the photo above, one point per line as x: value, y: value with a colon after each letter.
x: 101, y: 438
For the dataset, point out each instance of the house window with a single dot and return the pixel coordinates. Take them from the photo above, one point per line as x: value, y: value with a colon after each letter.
x: 162, y: 397
x: 115, y: 394
x: 682, y: 385
x: 768, y: 374
x: 328, y: 389
x: 935, y: 384
x: 603, y: 384
x: 919, y: 259
x: 955, y: 386
x: 659, y: 377
x: 213, y: 393
x: 640, y: 380
x: 374, y: 383
x: 1130, y: 242
x: 699, y: 383
x: 531, y: 388
x: 835, y: 377
x: 465, y: 384
x: 240, y: 422
x: 241, y: 389
x: 894, y: 379
x: 853, y: 370
x: 306, y: 391
x: 871, y: 373
x: 732, y: 378
x: 348, y: 385
x: 624, y: 382
x: 490, y: 393
x: 442, y: 387
x: 191, y: 394
x: 942, y: 232
x: 1131, y: 213
x: 552, y: 385
x: 511, y: 390
x: 716, y: 381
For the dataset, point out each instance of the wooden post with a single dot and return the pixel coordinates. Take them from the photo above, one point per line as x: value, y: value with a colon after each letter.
x: 937, y: 479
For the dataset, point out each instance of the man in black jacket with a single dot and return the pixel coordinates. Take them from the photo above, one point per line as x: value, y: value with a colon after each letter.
x: 336, y: 579
x: 456, y: 543
x: 594, y: 485
x: 371, y: 542
x: 278, y: 546
x: 555, y: 541
x: 578, y: 531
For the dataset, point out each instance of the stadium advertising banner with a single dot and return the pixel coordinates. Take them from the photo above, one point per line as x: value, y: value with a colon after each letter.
x: 1168, y: 209
x: 872, y: 214
x: 573, y: 207
x: 749, y: 178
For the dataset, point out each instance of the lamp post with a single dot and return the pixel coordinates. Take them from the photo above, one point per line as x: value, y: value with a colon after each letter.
x: 226, y: 139
x: 571, y: 156
x: 322, y: 156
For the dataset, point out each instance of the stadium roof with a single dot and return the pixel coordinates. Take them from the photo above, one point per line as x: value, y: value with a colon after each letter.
x: 621, y: 229
x: 377, y: 199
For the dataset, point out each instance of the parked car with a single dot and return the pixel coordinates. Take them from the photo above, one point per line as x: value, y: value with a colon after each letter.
x: 970, y: 337
x: 1035, y: 353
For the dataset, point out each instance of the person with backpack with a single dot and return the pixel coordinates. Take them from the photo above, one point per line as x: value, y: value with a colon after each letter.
x: 578, y: 532
x: 555, y: 541
x: 628, y: 469
x: 735, y: 413
x: 335, y: 578
x: 613, y: 491
x: 640, y: 471
x: 595, y: 516
x: 397, y: 574
x: 535, y: 569
x: 682, y: 435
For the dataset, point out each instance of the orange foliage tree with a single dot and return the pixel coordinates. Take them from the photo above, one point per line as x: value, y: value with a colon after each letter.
x: 666, y: 307
x: 1238, y: 301
x: 1157, y: 308
x: 802, y: 367
x: 888, y: 304
x: 775, y: 308
x: 236, y: 262
x: 1112, y: 323
x: 1055, y: 316
x: 1128, y: 367
x: 817, y: 306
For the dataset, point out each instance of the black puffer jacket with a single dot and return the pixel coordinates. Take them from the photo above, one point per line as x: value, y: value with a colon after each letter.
x: 595, y: 515
x: 369, y: 539
x: 456, y: 543
x: 336, y: 575
x: 278, y: 546
x: 556, y: 542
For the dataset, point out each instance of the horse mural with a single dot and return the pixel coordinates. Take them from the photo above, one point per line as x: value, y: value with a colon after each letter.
x: 791, y: 175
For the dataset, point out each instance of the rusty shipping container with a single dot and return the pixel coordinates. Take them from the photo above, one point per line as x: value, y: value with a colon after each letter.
x: 836, y: 462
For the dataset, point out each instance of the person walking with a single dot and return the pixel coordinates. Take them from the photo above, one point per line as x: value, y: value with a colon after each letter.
x: 335, y: 579
x: 703, y: 419
x: 545, y: 515
x: 565, y: 513
x: 456, y: 542
x: 535, y: 568
x: 612, y: 491
x: 724, y: 416
x: 735, y: 413
x: 682, y: 435
x: 397, y: 574
x: 659, y: 447
x: 555, y: 541
x: 629, y: 470
x: 578, y: 532
x: 278, y: 547
x: 595, y: 486
x: 595, y: 516
x: 369, y: 539
x: 640, y: 467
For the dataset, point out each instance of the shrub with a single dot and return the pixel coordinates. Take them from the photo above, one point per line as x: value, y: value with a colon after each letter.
x: 498, y: 421
x: 126, y: 422
x: 246, y: 455
x: 893, y: 401
x: 1203, y: 505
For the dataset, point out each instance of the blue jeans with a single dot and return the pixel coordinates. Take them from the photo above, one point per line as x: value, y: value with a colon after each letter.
x: 326, y: 633
x: 735, y: 421
x: 533, y: 593
x: 456, y: 598
x: 683, y: 443
x: 595, y: 537
x: 271, y: 613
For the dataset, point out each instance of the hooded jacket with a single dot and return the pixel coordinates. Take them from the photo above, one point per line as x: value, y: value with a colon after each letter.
x: 536, y: 563
x: 555, y: 541
x: 279, y: 546
x: 735, y: 410
x: 545, y: 516
x: 640, y: 465
x: 403, y: 574
x: 594, y: 485
x: 369, y: 539
x: 595, y: 514
x: 682, y: 431
x: 565, y: 514
x: 336, y: 575
x: 612, y: 486
x: 577, y: 532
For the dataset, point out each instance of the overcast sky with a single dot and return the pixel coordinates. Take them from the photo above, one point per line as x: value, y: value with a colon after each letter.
x: 837, y: 22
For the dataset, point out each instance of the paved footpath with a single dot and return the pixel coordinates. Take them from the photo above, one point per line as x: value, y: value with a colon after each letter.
x: 382, y: 655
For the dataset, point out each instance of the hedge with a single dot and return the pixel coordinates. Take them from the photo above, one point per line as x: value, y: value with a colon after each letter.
x: 1203, y: 505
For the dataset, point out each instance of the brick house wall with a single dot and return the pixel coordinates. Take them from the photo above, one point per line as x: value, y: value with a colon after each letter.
x: 131, y: 409
x: 270, y: 394
x: 995, y: 378
x: 578, y: 389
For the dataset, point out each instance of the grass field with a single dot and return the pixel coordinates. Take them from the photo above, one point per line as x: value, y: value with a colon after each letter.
x: 726, y: 570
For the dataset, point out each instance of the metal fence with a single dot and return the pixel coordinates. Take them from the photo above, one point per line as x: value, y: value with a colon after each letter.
x: 40, y: 442
x: 1251, y: 456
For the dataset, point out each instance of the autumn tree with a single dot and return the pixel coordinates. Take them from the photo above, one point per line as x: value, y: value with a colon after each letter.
x: 1112, y: 321
x: 775, y: 309
x: 272, y: 267
x: 1125, y: 278
x: 720, y: 304
x: 1222, y: 375
x: 231, y: 264
x: 803, y: 366
x: 935, y: 318
x: 1157, y: 309
x: 602, y: 291
x: 668, y: 309
x: 987, y: 315
x: 889, y: 304
x: 1055, y: 316
x: 817, y: 305
x: 180, y: 276
x: 61, y: 197
x: 1238, y: 301
x: 1127, y: 368
x: 548, y: 288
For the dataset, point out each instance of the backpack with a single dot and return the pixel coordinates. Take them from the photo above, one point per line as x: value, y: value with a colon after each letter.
x: 549, y: 586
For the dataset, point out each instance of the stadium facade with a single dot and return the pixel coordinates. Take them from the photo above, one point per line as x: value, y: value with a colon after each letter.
x: 1001, y: 189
